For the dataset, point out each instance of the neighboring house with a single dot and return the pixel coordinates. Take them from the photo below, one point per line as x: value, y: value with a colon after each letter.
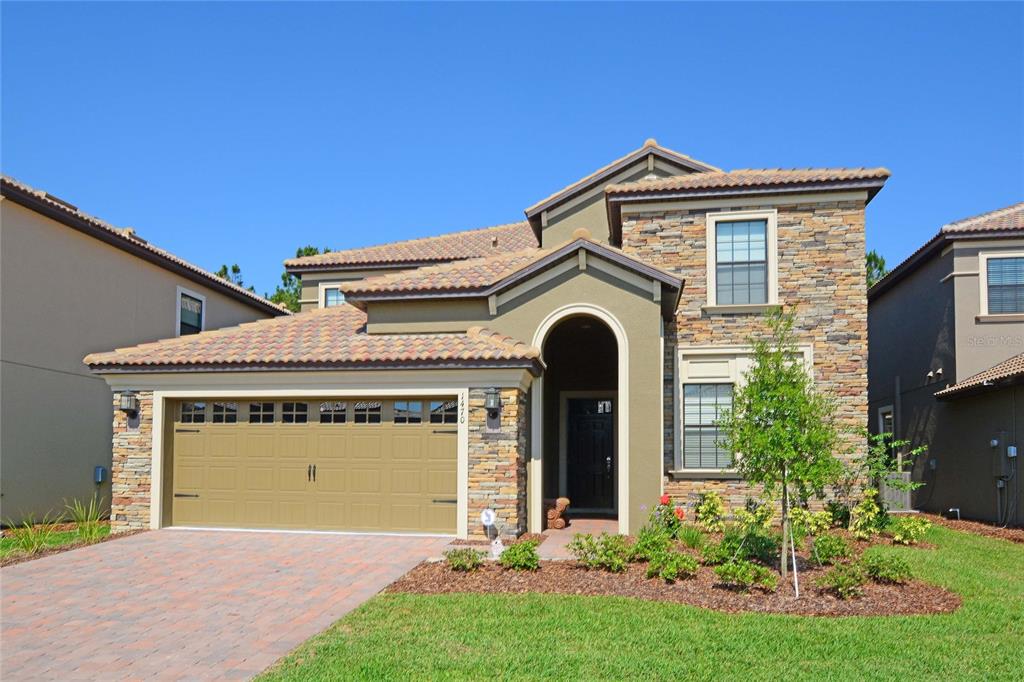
x: 946, y: 331
x: 71, y: 284
x: 583, y: 352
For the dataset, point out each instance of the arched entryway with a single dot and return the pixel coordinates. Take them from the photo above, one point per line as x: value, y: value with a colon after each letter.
x: 579, y: 422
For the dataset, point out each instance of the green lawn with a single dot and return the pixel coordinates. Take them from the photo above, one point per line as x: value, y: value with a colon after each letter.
x: 590, y: 638
x: 9, y: 547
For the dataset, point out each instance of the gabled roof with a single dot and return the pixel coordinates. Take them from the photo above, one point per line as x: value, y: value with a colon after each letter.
x: 125, y: 239
x: 650, y: 147
x: 484, y: 276
x: 447, y: 247
x: 326, y: 338
x: 1008, y: 221
x: 748, y: 178
x: 1006, y: 373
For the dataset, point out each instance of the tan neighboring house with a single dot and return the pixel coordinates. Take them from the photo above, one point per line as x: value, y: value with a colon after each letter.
x: 947, y: 369
x: 71, y: 284
x: 585, y: 351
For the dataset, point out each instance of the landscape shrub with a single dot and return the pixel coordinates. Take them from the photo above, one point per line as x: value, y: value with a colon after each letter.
x: 671, y: 566
x: 710, y: 512
x: 867, y: 518
x: 521, y: 556
x: 667, y: 516
x: 692, y: 536
x: 805, y: 522
x: 650, y: 541
x: 29, y: 536
x: 828, y: 548
x: 464, y: 559
x: 846, y: 581
x: 885, y: 568
x: 839, y: 512
x: 607, y: 552
x: 739, y: 544
x: 87, y: 518
x: 744, y: 574
x: 907, y: 530
x: 756, y: 516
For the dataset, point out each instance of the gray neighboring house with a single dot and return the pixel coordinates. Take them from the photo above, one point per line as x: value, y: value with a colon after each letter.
x: 71, y: 284
x: 946, y: 368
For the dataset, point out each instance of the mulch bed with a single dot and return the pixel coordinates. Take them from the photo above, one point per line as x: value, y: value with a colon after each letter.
x: 539, y: 537
x: 567, y: 577
x: 18, y: 558
x: 979, y: 528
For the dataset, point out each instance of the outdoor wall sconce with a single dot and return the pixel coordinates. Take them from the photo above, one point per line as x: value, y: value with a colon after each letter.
x: 129, y: 403
x: 492, y: 404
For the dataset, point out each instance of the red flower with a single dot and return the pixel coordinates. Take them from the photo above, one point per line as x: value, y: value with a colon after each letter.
x: 680, y: 513
x: 665, y: 499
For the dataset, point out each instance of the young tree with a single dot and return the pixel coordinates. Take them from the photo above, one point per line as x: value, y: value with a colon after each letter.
x: 782, y: 430
x: 875, y: 266
x: 289, y: 291
x: 233, y: 275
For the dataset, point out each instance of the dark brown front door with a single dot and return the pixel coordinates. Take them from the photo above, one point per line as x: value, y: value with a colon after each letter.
x: 590, y: 453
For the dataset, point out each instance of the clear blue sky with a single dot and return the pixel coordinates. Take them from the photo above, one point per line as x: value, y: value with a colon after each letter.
x: 237, y: 132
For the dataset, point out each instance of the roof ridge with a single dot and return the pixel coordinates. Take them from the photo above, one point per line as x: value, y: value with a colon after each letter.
x: 948, y: 227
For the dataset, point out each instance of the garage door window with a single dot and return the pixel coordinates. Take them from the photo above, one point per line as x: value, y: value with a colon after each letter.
x: 261, y: 413
x: 294, y: 413
x: 193, y: 413
x: 333, y: 413
x: 225, y: 413
x: 444, y: 411
x: 408, y: 412
x: 368, y: 412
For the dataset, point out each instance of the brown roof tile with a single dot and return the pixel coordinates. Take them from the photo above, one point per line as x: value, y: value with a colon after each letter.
x: 1009, y: 218
x: 329, y: 338
x: 748, y: 178
x: 446, y: 247
x: 1005, y: 372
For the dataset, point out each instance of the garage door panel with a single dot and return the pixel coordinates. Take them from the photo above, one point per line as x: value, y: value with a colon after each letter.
x: 369, y: 477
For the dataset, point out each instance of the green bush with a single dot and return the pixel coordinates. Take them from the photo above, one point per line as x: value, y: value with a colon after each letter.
x: 744, y: 574
x: 666, y: 517
x: 907, y: 530
x: 87, y: 518
x: 521, y: 556
x: 740, y: 544
x: 805, y: 522
x: 29, y: 536
x: 756, y: 516
x: 464, y: 559
x: 671, y: 566
x: 710, y: 511
x: 692, y: 536
x: 839, y: 512
x: 867, y: 518
x: 606, y: 552
x: 846, y: 581
x: 649, y: 542
x: 828, y: 547
x: 884, y: 568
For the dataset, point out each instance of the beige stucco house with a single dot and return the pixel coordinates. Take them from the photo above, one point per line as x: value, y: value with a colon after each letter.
x: 950, y: 319
x: 584, y: 351
x: 71, y: 284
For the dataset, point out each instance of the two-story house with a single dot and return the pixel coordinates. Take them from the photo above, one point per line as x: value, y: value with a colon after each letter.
x: 71, y: 284
x: 586, y: 351
x: 946, y: 331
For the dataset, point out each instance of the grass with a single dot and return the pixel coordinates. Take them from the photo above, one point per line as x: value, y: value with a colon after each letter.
x: 10, y: 548
x: 548, y: 636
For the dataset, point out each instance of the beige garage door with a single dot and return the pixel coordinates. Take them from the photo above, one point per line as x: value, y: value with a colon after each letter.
x: 359, y: 465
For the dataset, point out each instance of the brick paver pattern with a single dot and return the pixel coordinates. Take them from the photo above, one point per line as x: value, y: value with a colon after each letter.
x: 181, y: 604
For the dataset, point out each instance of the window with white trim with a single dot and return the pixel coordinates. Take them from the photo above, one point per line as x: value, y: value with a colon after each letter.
x: 742, y: 258
x: 1004, y: 284
x: 703, y: 405
x: 333, y: 296
x: 191, y: 311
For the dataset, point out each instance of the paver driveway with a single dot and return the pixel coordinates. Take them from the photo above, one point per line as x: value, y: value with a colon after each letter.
x: 179, y: 604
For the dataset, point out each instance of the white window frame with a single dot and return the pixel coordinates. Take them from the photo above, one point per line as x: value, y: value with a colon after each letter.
x: 714, y: 365
x: 771, y: 218
x: 323, y: 287
x: 882, y: 411
x: 177, y: 309
x: 983, y: 258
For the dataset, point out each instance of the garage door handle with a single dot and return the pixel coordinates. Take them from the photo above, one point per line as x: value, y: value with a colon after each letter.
x: 186, y: 430
x: 445, y: 431
x: 186, y: 494
x: 309, y: 473
x: 314, y: 473
x: 445, y: 501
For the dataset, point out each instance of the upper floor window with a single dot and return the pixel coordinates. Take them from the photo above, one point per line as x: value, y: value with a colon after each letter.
x: 191, y: 312
x: 741, y: 258
x: 1004, y: 284
x: 330, y: 295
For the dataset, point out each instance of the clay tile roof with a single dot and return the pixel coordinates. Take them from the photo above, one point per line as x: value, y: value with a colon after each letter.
x: 446, y: 247
x: 749, y: 178
x: 329, y: 338
x: 1009, y: 218
x: 1008, y: 371
x: 126, y: 238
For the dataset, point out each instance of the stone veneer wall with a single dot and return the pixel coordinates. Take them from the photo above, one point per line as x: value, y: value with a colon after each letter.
x: 131, y: 472
x: 821, y: 273
x: 497, y: 463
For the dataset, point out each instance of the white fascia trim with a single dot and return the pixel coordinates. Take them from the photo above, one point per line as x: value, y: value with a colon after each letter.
x: 536, y: 437
x: 771, y: 218
x: 177, y: 309
x: 983, y: 258
x: 160, y: 399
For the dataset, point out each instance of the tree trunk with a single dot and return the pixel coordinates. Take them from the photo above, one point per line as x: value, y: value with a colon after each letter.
x: 783, y: 564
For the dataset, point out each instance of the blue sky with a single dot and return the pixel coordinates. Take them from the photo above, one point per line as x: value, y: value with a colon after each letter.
x: 236, y: 132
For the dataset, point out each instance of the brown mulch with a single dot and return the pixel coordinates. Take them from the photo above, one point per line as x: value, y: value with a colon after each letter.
x: 17, y: 558
x: 539, y: 537
x: 978, y: 528
x: 567, y: 577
